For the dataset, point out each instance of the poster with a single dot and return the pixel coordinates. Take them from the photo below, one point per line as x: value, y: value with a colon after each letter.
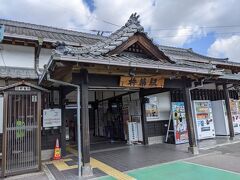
x: 179, y: 123
x: 52, y: 117
x: 234, y: 105
x: 152, y: 109
x: 158, y: 106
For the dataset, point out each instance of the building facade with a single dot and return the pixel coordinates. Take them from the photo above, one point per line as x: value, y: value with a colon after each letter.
x: 124, y: 83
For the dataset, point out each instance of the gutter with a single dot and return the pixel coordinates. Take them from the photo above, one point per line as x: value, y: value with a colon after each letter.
x: 37, y: 54
x: 78, y: 119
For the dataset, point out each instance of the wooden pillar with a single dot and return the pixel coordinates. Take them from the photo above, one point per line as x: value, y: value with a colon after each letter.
x: 63, y: 127
x: 189, y: 117
x: 86, y: 169
x: 229, y: 112
x: 144, y: 119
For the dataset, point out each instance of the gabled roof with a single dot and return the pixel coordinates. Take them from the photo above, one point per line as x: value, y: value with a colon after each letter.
x: 130, y: 33
x: 125, y: 33
x: 24, y: 83
x: 50, y: 34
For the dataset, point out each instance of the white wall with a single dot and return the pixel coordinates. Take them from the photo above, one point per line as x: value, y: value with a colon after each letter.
x: 18, y: 56
x: 44, y: 57
x: 22, y: 56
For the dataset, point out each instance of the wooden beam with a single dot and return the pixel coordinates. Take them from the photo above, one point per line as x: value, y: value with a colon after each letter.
x: 189, y: 117
x: 150, y: 47
x: 83, y: 77
x: 229, y: 112
x: 144, y: 119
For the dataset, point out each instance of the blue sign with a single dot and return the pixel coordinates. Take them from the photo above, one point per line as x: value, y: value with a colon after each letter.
x: 1, y: 32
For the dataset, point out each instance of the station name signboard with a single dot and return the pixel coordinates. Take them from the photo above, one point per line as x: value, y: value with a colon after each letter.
x: 142, y: 82
x: 52, y: 117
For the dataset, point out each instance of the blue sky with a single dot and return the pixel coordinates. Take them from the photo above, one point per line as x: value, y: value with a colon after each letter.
x: 202, y: 44
x: 187, y: 17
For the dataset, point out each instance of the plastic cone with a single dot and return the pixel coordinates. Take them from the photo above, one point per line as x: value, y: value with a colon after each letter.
x: 57, y: 151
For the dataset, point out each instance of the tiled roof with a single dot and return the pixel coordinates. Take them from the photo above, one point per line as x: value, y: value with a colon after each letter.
x: 17, y: 73
x: 51, y: 34
x: 186, y: 54
x: 114, y: 40
x: 182, y: 59
x: 177, y: 55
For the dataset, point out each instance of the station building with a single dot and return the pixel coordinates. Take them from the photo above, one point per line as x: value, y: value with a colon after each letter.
x: 125, y: 89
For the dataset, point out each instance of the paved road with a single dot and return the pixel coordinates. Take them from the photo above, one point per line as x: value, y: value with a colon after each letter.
x: 162, y: 160
x: 31, y: 176
x: 220, y: 163
x: 224, y: 157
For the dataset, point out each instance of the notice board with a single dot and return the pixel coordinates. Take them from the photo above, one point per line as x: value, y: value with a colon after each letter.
x: 52, y: 117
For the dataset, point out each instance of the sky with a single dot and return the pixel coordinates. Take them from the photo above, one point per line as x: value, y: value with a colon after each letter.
x: 209, y: 27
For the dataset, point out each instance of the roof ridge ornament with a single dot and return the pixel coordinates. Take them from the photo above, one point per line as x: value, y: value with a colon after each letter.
x: 134, y: 19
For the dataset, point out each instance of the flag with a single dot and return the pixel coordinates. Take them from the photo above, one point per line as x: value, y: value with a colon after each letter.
x: 1, y: 32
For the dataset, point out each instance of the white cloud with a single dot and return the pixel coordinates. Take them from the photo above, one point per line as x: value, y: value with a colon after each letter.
x: 182, y: 20
x: 59, y: 13
x: 226, y: 47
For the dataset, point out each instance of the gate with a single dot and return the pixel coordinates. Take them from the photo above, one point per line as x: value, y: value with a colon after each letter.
x: 21, y: 138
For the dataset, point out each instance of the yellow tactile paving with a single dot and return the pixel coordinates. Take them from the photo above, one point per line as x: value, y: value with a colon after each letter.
x: 61, y: 165
x: 109, y: 170
x: 104, y: 167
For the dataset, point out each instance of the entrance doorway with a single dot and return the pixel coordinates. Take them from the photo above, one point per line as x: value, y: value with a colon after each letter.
x: 111, y: 113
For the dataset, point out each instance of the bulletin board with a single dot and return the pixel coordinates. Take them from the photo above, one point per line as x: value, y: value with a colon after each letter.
x: 158, y: 107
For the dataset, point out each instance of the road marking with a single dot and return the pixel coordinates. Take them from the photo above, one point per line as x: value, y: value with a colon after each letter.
x: 104, y: 167
x: 61, y: 165
x: 218, y: 145
x: 224, y: 170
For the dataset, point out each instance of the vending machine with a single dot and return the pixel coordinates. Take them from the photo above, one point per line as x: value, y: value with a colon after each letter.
x: 235, y: 109
x: 220, y: 118
x: 202, y: 111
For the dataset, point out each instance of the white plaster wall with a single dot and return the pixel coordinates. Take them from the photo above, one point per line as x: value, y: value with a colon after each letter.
x: 22, y: 56
x: 44, y: 57
x: 18, y: 56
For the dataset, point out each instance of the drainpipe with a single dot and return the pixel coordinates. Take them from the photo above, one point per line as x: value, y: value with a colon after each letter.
x: 37, y: 54
x: 78, y: 119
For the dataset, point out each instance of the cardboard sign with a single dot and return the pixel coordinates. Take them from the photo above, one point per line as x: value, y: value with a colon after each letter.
x: 52, y: 117
x: 142, y: 82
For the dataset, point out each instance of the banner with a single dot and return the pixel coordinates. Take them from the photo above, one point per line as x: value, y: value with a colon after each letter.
x: 179, y: 123
x: 142, y: 82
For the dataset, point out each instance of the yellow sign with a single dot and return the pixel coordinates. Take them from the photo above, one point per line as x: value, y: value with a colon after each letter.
x: 142, y: 82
